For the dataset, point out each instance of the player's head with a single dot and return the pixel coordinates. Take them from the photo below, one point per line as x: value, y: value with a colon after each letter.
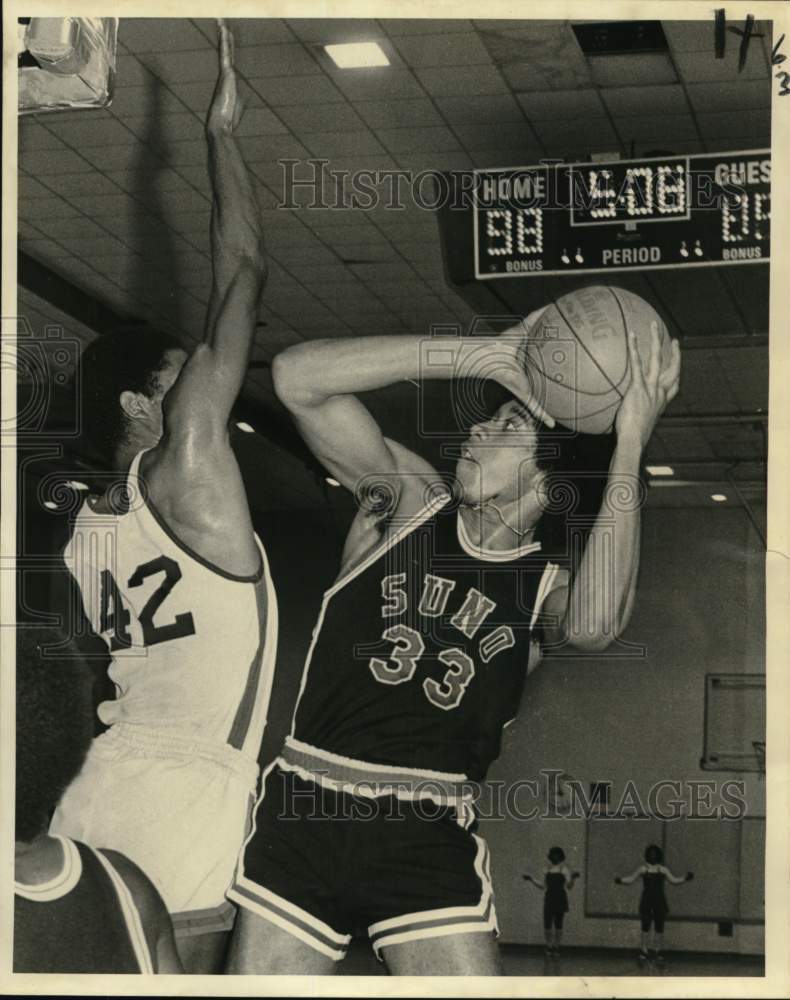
x: 556, y: 855
x: 653, y: 854
x: 503, y: 458
x: 123, y: 378
x: 54, y: 724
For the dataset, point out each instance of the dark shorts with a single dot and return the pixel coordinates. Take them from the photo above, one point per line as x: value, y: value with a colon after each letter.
x: 553, y: 914
x: 326, y: 865
x: 653, y: 914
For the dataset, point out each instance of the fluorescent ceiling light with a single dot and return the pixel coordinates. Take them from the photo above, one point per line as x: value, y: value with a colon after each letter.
x: 74, y: 484
x: 718, y: 497
x: 660, y: 470
x: 331, y: 481
x: 50, y: 505
x: 245, y: 427
x: 357, y: 55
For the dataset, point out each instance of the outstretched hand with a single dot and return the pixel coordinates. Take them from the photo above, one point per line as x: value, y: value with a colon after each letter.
x: 226, y: 107
x: 649, y: 392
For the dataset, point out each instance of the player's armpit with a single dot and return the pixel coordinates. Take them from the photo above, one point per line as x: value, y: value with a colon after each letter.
x: 555, y: 610
x: 157, y: 925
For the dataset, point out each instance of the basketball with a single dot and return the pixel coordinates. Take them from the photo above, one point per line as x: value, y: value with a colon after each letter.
x: 577, y: 354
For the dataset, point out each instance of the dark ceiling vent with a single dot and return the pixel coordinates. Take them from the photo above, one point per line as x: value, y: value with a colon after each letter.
x: 620, y: 38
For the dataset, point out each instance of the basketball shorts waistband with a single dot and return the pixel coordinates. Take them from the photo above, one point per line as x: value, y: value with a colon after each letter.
x: 151, y: 742
x: 362, y: 778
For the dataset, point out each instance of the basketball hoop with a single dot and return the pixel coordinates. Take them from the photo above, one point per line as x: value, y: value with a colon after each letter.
x: 759, y: 753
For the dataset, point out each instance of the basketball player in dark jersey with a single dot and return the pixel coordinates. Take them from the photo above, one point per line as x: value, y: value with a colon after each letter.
x: 173, y: 578
x: 418, y: 659
x: 76, y: 909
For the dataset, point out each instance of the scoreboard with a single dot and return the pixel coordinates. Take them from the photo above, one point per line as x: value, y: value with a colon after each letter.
x: 584, y: 218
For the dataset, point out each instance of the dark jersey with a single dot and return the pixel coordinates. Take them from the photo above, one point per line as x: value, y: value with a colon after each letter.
x: 420, y: 652
x: 83, y: 920
x: 653, y: 899
x: 556, y: 894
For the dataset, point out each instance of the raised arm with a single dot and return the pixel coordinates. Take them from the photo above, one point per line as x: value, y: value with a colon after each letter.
x: 538, y: 883
x: 203, y: 396
x: 318, y: 382
x: 676, y: 879
x: 629, y: 879
x: 601, y: 597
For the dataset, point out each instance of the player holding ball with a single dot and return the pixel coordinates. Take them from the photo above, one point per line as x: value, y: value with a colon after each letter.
x: 444, y: 601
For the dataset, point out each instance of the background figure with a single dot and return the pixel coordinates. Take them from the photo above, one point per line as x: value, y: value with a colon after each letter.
x: 557, y: 879
x: 653, y: 907
x: 76, y: 909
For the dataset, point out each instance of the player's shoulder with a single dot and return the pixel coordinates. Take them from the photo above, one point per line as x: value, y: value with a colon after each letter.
x: 149, y: 903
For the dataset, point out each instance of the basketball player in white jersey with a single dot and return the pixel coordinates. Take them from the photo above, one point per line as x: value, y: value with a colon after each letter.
x: 175, y: 580
x: 418, y: 658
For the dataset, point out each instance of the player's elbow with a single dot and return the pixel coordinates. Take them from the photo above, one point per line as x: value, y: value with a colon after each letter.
x: 290, y: 377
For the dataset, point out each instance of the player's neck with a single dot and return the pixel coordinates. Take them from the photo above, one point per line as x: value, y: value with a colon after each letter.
x: 38, y: 861
x: 501, y: 525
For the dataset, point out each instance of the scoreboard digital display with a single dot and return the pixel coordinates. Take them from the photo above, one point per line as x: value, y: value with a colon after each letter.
x: 583, y: 218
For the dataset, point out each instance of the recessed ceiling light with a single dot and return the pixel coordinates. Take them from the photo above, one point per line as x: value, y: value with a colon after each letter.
x: 331, y: 481
x: 660, y: 470
x: 75, y: 484
x: 245, y: 427
x: 718, y: 497
x: 357, y: 55
x: 50, y: 505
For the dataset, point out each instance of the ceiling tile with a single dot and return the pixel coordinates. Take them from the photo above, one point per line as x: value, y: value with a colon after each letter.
x: 628, y: 70
x: 736, y: 143
x: 377, y: 84
x: 44, y: 208
x: 153, y: 129
x: 159, y: 34
x: 460, y: 49
x: 549, y: 104
x: 399, y: 114
x: 488, y: 110
x: 321, y: 117
x: 489, y: 159
x: 593, y: 133
x: 363, y: 143
x: 297, y: 90
x: 27, y: 187
x: 418, y: 140
x: 41, y: 162
x: 446, y: 160
x: 182, y: 67
x: 275, y: 60
x: 703, y: 67
x: 333, y: 30
x: 101, y: 206
x: 527, y: 76
x: 458, y: 81
x: 270, y: 147
x: 648, y: 100
x: 33, y: 136
x: 661, y: 129
x: 135, y: 101
x: 743, y: 124
x: 745, y: 94
x: 692, y: 36
x: 746, y: 369
x: 497, y: 136
x: 421, y: 26
x: 101, y: 132
x: 249, y: 30
x: 130, y: 72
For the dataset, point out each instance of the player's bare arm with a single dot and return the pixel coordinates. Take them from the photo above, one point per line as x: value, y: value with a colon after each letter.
x: 192, y: 474
x: 318, y: 382
x: 583, y: 618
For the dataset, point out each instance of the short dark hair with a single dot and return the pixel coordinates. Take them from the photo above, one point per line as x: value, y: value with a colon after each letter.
x: 653, y: 854
x: 54, y: 724
x: 556, y: 855
x: 125, y: 358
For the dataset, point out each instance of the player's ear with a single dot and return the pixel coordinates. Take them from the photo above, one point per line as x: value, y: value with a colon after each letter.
x: 134, y: 404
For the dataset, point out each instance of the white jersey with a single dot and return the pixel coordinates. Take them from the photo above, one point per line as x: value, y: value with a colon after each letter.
x: 192, y: 646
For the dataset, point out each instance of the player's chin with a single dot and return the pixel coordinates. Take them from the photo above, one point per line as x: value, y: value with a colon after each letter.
x: 467, y: 475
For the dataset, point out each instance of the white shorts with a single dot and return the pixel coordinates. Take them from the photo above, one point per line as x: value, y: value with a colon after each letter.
x: 178, y: 809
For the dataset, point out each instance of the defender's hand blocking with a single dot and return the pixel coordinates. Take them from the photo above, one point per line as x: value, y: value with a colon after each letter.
x: 226, y: 108
x: 649, y: 392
